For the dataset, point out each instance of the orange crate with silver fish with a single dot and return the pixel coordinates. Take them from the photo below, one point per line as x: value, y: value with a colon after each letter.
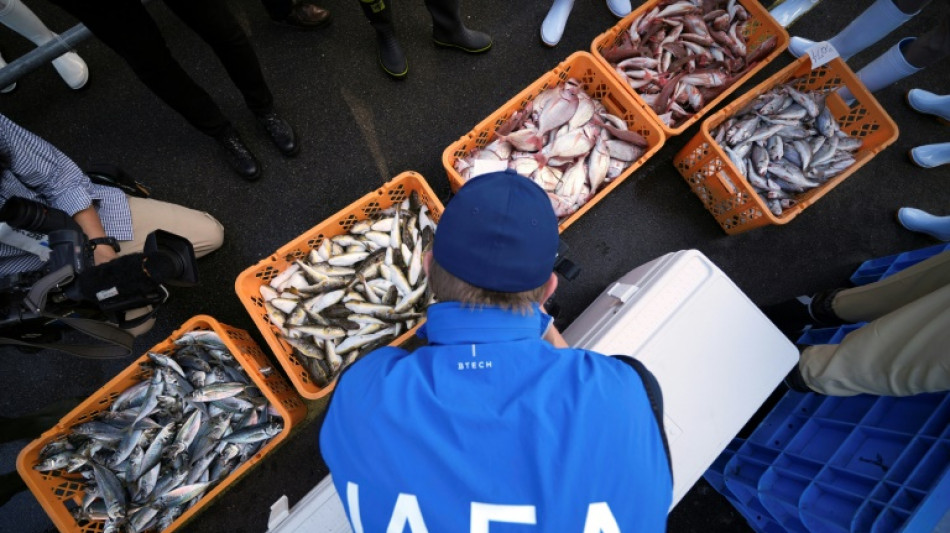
x: 681, y: 58
x: 783, y: 145
x: 346, y: 286
x: 575, y: 132
x: 151, y: 448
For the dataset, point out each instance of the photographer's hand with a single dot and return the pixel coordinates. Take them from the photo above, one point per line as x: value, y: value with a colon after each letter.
x: 103, y: 254
x: 551, y: 334
x: 88, y: 219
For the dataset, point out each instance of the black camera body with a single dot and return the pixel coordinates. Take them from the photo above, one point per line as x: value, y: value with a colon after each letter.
x: 71, y: 283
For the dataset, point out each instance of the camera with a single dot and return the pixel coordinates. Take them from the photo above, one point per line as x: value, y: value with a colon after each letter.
x: 71, y: 283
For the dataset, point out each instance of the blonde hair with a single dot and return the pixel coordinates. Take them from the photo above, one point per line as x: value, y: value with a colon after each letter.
x: 448, y: 288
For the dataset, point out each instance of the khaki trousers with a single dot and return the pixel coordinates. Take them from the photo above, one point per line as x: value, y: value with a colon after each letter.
x: 203, y: 231
x: 905, y: 347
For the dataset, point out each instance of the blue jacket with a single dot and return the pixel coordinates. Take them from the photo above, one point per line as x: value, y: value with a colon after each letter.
x: 490, y: 428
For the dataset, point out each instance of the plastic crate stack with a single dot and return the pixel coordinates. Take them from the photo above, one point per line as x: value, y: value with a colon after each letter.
x: 859, y: 463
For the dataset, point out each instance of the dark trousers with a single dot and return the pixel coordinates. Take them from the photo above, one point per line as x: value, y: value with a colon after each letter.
x: 930, y: 47
x: 278, y: 9
x: 126, y: 27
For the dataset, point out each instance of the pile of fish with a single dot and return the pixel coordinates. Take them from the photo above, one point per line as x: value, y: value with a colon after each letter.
x: 786, y: 142
x: 356, y: 291
x: 566, y: 142
x: 684, y: 53
x: 165, y: 441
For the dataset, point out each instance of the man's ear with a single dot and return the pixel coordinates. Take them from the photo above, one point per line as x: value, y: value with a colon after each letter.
x: 549, y: 287
x: 426, y: 262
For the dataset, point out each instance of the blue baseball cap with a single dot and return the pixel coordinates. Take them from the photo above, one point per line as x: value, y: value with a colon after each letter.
x: 499, y: 233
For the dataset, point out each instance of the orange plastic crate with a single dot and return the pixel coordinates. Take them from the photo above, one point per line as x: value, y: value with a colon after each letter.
x: 760, y: 26
x: 249, y: 282
x: 57, y: 489
x: 726, y: 193
x: 598, y: 83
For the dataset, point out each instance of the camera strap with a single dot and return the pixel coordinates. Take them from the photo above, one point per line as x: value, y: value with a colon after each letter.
x: 117, y: 342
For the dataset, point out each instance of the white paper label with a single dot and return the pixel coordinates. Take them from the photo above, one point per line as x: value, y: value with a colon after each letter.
x: 105, y: 294
x: 821, y: 53
x: 484, y: 166
x: 28, y: 241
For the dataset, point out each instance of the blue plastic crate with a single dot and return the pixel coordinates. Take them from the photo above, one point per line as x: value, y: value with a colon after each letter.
x: 851, y: 464
x: 814, y: 336
x: 863, y: 463
x: 877, y: 269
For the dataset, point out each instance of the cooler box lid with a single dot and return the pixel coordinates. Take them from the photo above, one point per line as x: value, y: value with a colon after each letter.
x: 715, y: 354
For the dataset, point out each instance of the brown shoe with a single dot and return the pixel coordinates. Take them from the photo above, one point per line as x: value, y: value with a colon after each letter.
x: 307, y: 16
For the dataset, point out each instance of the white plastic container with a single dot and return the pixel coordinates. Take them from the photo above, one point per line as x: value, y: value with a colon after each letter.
x: 716, y: 356
x: 320, y: 511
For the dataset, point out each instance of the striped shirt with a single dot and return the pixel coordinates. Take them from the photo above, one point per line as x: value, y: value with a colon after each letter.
x: 34, y: 169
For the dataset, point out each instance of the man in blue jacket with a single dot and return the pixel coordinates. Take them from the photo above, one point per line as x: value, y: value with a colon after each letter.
x: 496, y: 425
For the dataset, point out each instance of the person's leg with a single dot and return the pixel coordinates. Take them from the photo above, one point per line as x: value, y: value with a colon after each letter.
x: 127, y: 28
x: 215, y: 23
x: 931, y: 46
x: 911, y: 7
x: 203, y: 231
x: 860, y: 304
x: 18, y: 17
x: 874, y: 300
x: 879, y: 19
x: 900, y: 354
x: 449, y: 30
x: 390, y: 55
x: 907, y: 57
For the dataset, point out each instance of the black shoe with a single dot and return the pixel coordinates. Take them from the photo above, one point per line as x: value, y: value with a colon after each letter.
x: 281, y: 133
x: 792, y: 316
x: 239, y: 156
x: 795, y: 381
x: 471, y: 41
x: 306, y: 16
x: 391, y: 57
x: 449, y: 30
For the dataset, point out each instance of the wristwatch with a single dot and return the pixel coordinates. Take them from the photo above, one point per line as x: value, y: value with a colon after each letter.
x: 114, y: 244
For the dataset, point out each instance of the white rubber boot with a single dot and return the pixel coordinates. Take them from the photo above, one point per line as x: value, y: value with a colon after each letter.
x: 919, y: 220
x: 887, y: 69
x: 620, y: 8
x: 881, y: 18
x: 932, y: 104
x: 8, y: 88
x: 72, y: 69
x: 22, y: 20
x: 553, y: 26
x: 931, y: 155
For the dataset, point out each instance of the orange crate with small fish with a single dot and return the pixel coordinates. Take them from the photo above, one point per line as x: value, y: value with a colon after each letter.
x: 316, y: 347
x: 577, y: 164
x: 683, y: 59
x: 62, y: 493
x: 734, y: 195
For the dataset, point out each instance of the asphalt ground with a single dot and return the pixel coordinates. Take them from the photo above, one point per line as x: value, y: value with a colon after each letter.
x: 359, y: 129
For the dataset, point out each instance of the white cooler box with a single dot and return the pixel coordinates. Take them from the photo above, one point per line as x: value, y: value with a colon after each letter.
x: 715, y: 355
